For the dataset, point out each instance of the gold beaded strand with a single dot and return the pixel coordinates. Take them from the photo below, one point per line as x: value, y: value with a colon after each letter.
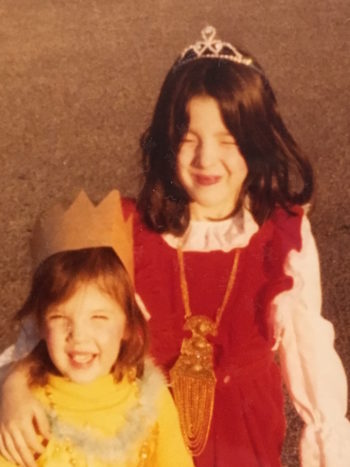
x: 193, y: 377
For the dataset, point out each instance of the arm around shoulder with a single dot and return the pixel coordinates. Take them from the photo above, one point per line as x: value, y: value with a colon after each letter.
x: 21, y: 418
x: 312, y: 369
x: 26, y: 341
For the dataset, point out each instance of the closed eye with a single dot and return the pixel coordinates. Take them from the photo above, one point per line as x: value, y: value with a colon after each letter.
x: 231, y: 142
x: 188, y: 140
x: 55, y: 316
x: 102, y: 317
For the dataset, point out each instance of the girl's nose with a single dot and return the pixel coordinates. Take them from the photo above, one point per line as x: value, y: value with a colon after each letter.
x: 205, y: 155
x: 77, y: 331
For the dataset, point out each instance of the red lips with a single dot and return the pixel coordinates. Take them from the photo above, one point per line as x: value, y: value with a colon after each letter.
x: 206, y: 180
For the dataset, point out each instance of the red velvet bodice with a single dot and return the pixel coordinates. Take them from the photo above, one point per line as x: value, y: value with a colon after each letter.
x: 248, y: 422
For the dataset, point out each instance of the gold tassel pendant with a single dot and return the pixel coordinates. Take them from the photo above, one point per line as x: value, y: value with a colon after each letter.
x: 193, y: 383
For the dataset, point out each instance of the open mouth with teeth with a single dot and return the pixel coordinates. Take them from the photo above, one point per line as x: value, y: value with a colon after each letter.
x: 81, y: 359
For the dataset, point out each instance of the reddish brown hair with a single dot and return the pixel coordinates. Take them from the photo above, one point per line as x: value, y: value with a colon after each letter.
x: 57, y: 279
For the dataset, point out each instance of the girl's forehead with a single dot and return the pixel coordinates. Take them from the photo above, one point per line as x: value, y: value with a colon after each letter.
x: 88, y: 296
x: 204, y: 111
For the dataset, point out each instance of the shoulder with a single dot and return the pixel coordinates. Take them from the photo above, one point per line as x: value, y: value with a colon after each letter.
x: 153, y: 377
x: 155, y: 384
x: 130, y: 209
x: 154, y: 394
x: 6, y: 463
x: 129, y: 206
x: 287, y: 225
x: 281, y: 216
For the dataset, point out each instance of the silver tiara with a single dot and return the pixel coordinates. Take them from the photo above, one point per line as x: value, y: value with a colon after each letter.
x: 211, y: 47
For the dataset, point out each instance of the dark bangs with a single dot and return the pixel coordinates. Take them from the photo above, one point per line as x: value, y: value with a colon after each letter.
x: 278, y: 174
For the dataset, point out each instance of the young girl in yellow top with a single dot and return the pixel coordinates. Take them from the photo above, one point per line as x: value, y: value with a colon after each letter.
x: 105, y: 404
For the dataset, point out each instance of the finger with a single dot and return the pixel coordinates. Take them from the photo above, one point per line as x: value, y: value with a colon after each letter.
x: 4, y: 452
x: 41, y: 423
x: 9, y: 446
x: 31, y: 441
x: 19, y: 450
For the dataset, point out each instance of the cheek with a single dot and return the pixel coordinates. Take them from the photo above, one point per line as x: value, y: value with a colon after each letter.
x: 243, y: 168
x: 184, y: 158
x: 237, y: 166
x: 55, y: 340
x: 49, y: 334
x: 112, y: 335
x: 183, y: 163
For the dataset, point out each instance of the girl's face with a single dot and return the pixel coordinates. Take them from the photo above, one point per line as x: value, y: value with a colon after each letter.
x: 84, y: 333
x: 210, y: 165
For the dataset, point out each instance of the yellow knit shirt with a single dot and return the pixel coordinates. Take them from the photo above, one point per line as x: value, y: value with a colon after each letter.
x: 104, y: 424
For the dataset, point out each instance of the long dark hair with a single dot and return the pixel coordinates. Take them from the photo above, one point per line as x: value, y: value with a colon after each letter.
x: 278, y: 173
x: 56, y: 280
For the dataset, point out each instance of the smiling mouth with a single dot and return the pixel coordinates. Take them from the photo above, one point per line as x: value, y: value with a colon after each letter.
x: 81, y: 360
x: 206, y: 180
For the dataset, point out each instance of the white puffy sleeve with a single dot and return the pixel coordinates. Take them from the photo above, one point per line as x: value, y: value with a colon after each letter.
x: 311, y: 368
x: 26, y: 341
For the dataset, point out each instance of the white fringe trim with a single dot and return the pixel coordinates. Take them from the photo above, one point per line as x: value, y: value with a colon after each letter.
x: 139, y: 422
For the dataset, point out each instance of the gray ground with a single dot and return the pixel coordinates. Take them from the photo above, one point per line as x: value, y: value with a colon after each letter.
x: 78, y: 80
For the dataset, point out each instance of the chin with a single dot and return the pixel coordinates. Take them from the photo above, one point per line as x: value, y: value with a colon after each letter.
x: 213, y: 203
x: 82, y: 378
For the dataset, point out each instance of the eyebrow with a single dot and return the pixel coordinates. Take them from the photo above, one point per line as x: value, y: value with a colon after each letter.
x: 224, y: 133
x: 102, y: 310
x: 219, y: 133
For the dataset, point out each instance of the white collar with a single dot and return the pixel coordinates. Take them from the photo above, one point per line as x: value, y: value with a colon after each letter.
x: 225, y: 235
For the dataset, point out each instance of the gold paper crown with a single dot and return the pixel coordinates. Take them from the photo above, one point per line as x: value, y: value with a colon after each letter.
x: 84, y: 225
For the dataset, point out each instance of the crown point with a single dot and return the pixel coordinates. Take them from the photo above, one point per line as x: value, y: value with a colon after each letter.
x: 113, y: 197
x: 84, y: 225
x: 208, y: 33
x: 82, y: 196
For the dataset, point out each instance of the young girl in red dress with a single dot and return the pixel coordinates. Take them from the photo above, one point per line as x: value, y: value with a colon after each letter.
x: 227, y: 267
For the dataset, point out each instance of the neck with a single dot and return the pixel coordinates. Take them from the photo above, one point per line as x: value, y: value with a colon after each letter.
x: 202, y: 213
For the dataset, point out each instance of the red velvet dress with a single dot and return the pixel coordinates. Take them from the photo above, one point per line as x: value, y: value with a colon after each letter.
x: 248, y: 422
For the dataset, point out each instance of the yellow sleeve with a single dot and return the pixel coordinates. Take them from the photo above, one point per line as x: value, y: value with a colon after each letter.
x: 5, y: 463
x: 171, y: 449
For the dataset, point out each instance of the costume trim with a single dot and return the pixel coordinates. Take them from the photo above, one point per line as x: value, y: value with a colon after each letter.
x: 223, y: 235
x: 139, y: 422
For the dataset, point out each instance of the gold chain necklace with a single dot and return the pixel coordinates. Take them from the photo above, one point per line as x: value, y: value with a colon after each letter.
x: 193, y: 377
